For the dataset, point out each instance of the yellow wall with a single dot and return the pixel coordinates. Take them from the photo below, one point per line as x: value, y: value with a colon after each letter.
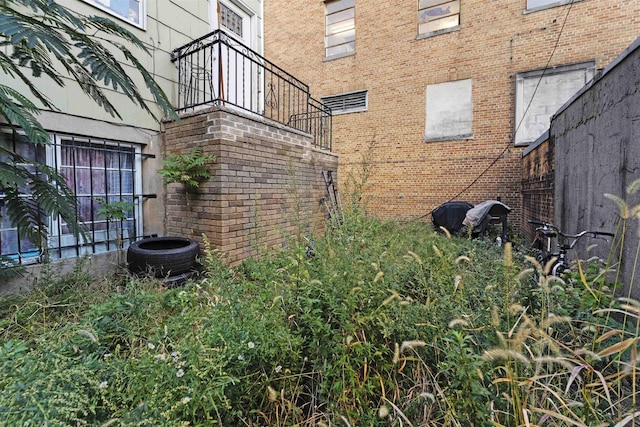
x: 495, y: 40
x: 170, y: 24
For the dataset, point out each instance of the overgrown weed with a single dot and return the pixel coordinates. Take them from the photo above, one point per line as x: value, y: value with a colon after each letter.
x: 386, y: 324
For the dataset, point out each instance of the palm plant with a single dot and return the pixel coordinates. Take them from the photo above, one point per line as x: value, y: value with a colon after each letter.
x: 42, y: 38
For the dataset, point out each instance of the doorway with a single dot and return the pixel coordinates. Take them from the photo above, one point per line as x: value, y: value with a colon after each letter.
x: 240, y: 69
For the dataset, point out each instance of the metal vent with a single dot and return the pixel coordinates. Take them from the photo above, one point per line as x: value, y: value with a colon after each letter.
x: 347, y: 102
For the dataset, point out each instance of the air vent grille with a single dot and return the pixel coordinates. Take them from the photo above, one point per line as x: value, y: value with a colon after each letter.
x: 350, y: 102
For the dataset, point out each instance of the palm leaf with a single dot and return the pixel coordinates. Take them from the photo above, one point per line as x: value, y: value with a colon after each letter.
x: 20, y: 28
x: 104, y: 66
x: 50, y: 10
x: 17, y: 109
x: 23, y: 211
x: 110, y: 27
x: 37, y: 59
x: 44, y: 194
x: 12, y: 176
x: 45, y: 38
x: 158, y: 94
x: 52, y: 30
x: 11, y: 69
x: 31, y: 193
x: 55, y: 197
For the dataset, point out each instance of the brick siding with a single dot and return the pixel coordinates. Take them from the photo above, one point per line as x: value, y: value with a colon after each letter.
x: 265, y: 188
x: 495, y: 41
x: 538, y: 185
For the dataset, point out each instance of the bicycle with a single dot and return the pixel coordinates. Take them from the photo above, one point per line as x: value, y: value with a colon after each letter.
x: 563, y: 243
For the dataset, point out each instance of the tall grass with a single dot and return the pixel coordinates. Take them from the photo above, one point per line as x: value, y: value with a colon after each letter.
x: 574, y: 361
x: 386, y: 324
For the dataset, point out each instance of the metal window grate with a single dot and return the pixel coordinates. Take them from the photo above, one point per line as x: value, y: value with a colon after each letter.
x: 350, y: 102
x: 98, y: 171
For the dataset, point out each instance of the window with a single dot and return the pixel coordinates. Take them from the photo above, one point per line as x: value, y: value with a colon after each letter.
x: 350, y: 102
x: 340, y: 33
x: 535, y: 5
x: 539, y: 94
x: 449, y: 111
x: 132, y: 11
x: 19, y: 249
x: 435, y: 16
x: 98, y: 172
x: 230, y: 20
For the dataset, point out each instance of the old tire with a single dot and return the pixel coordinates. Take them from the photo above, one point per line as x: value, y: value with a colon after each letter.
x: 163, y: 256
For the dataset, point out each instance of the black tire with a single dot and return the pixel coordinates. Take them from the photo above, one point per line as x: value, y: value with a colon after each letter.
x: 558, y: 269
x: 163, y: 256
x: 537, y: 273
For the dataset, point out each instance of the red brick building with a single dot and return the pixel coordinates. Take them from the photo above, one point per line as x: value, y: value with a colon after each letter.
x: 447, y: 93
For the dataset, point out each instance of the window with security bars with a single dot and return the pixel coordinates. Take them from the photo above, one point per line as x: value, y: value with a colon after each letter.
x: 98, y: 172
x: 350, y: 102
x: 340, y: 28
x: 435, y: 16
x: 11, y: 244
x: 230, y: 20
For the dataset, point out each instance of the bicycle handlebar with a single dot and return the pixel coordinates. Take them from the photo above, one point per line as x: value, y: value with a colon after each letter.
x: 575, y: 237
x: 542, y: 224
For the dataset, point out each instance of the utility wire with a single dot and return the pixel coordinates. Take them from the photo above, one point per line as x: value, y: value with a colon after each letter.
x: 512, y: 141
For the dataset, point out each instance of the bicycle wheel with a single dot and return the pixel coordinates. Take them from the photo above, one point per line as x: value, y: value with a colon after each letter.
x: 557, y: 269
x: 542, y: 260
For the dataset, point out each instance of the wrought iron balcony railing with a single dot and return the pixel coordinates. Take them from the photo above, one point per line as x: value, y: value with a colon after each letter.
x: 216, y: 69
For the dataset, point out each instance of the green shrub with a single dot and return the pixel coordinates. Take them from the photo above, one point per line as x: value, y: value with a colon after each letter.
x: 50, y: 381
x: 385, y: 324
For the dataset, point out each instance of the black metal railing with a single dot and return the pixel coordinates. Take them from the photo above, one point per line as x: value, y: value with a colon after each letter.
x: 216, y: 69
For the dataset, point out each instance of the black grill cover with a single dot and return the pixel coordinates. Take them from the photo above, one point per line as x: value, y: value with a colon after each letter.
x: 450, y: 215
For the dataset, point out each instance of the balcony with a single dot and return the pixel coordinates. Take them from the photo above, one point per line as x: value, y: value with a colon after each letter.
x: 218, y: 70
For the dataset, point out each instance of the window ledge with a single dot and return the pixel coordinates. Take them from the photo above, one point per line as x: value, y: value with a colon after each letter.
x: 437, y: 33
x: 548, y: 6
x: 338, y: 56
x: 142, y: 24
x: 449, y: 138
x: 355, y: 110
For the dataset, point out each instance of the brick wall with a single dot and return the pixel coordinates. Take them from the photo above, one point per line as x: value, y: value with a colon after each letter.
x: 538, y: 169
x: 266, y: 183
x: 495, y: 41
